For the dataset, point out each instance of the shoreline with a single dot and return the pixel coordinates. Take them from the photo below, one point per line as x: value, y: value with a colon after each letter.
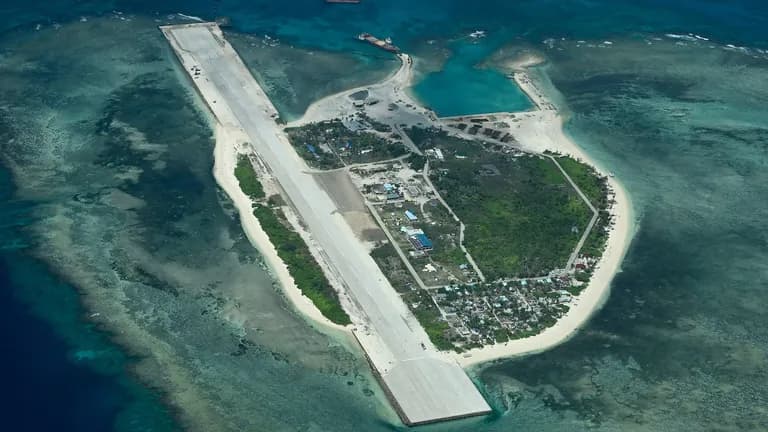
x: 400, y: 79
x: 225, y: 160
x: 539, y: 131
x: 398, y: 348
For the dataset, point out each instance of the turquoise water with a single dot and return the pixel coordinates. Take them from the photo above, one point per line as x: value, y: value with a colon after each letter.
x: 462, y: 87
x: 53, y: 357
x: 114, y: 196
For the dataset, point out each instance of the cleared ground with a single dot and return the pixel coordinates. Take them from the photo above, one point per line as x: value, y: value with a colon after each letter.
x: 424, y: 384
x: 350, y: 203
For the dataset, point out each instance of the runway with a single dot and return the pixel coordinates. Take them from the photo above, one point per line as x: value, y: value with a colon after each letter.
x: 424, y: 384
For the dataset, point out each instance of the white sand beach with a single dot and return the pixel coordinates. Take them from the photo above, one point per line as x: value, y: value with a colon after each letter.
x: 424, y: 385
x: 538, y: 131
x: 228, y: 141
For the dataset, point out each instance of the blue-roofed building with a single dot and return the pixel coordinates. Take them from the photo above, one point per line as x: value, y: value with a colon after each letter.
x: 411, y: 217
x: 421, y: 242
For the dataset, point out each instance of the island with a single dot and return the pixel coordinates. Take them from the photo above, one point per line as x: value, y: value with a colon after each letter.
x: 436, y: 243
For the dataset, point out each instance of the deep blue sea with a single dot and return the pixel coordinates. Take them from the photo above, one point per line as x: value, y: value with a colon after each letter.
x: 61, y: 373
x: 681, y: 344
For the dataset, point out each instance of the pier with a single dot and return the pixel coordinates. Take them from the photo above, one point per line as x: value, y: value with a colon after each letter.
x: 423, y: 384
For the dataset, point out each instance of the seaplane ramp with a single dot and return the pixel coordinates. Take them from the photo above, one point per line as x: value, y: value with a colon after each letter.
x: 423, y: 384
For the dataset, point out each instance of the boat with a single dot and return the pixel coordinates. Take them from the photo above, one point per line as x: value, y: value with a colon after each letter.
x: 385, y: 44
x: 343, y: 1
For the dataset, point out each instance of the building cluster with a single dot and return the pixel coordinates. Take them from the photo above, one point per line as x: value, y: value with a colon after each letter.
x: 584, y: 263
x: 489, y: 313
x: 435, y: 153
x: 391, y: 183
x: 486, y: 127
x: 387, y: 191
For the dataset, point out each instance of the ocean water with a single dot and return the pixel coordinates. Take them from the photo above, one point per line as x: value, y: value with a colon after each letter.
x: 105, y: 136
x: 112, y: 195
x: 462, y: 87
x: 54, y: 360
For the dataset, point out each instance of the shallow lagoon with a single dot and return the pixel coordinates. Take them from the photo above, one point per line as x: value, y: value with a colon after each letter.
x: 462, y: 87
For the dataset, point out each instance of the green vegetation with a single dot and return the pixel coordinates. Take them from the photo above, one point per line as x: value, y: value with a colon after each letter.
x: 518, y: 223
x: 392, y: 266
x: 522, y: 217
x: 450, y: 145
x: 246, y: 176
x: 443, y: 230
x: 598, y: 238
x: 375, y: 125
x: 429, y: 316
x: 589, y: 181
x: 330, y: 144
x: 416, y: 162
x: 595, y: 187
x: 501, y: 335
x: 301, y: 264
x: 583, y: 276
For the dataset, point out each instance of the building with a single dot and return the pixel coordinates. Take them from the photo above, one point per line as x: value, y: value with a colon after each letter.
x: 411, y: 217
x: 436, y: 153
x: 421, y: 242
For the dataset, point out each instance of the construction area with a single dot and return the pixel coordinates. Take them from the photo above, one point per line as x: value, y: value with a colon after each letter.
x: 423, y: 384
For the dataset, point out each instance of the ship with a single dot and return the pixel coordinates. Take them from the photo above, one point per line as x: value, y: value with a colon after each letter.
x: 385, y: 44
x: 342, y: 1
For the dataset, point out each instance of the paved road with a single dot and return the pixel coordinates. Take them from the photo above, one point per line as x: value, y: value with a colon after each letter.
x: 461, y: 224
x: 590, y: 225
x: 393, y: 242
x: 425, y: 384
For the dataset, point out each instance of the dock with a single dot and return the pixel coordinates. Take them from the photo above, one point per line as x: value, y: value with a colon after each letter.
x: 423, y: 384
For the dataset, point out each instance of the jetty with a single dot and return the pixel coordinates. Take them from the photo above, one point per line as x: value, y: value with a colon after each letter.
x: 423, y: 384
